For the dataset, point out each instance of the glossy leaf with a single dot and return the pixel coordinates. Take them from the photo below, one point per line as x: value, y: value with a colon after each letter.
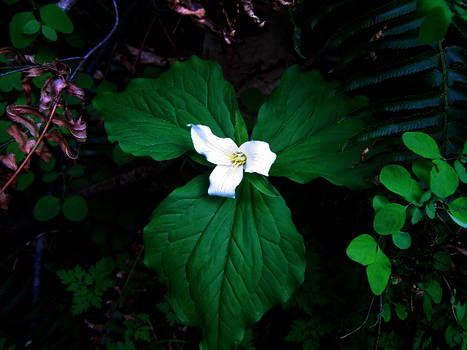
x: 421, y: 168
x: 402, y: 240
x: 458, y: 211
x: 46, y: 208
x: 224, y: 261
x: 389, y: 219
x: 300, y: 121
x: 362, y: 249
x: 55, y: 18
x: 261, y: 184
x: 379, y: 201
x: 398, y: 180
x: 150, y: 117
x: 378, y: 272
x: 443, y: 179
x: 421, y: 144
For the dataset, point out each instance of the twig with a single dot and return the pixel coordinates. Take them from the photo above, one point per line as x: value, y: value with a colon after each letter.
x: 364, y: 322
x: 114, y: 28
x: 143, y: 43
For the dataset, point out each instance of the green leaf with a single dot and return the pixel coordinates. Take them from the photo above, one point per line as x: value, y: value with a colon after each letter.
x: 150, y: 117
x: 441, y: 261
x: 458, y: 211
x: 24, y: 181
x: 379, y: 201
x: 430, y: 209
x: 262, y: 184
x: 47, y: 166
x: 443, y: 179
x: 421, y: 144
x: 389, y: 219
x: 4, y: 126
x: 378, y: 272
x: 436, y: 23
x: 46, y: 208
x: 300, y: 121
x: 402, y: 240
x: 49, y: 33
x: 225, y: 261
x: 398, y: 180
x: 17, y: 36
x: 401, y: 311
x: 31, y: 27
x: 386, y: 314
x: 434, y: 290
x: 421, y: 168
x: 362, y: 249
x: 241, y: 132
x: 75, y: 208
x: 460, y: 170
x: 55, y: 18
x: 76, y: 170
x: 121, y: 157
x: 10, y: 81
x: 416, y: 215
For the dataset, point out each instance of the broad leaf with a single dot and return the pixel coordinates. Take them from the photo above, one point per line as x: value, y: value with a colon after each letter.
x: 300, y: 121
x: 443, y: 179
x: 225, y: 261
x: 402, y: 240
x: 436, y: 23
x: 398, y: 180
x: 458, y: 211
x: 55, y: 18
x: 422, y: 144
x: 150, y: 117
x: 17, y: 36
x: 434, y: 290
x: 378, y: 272
x: 389, y: 219
x: 362, y: 249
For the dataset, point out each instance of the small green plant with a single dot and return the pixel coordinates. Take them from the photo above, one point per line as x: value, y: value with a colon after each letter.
x: 88, y: 287
x: 429, y: 195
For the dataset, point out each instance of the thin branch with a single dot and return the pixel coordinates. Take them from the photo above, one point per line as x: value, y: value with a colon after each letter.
x: 100, y: 44
x: 364, y: 322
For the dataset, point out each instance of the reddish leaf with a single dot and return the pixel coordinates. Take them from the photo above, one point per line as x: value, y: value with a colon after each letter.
x: 18, y: 115
x: 55, y: 136
x: 9, y: 161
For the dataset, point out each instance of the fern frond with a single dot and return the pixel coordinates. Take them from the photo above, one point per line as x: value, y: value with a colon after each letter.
x: 423, y: 62
x: 396, y: 127
x: 405, y: 24
x: 393, y: 10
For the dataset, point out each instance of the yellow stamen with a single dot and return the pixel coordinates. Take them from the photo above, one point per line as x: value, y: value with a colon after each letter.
x: 238, y: 158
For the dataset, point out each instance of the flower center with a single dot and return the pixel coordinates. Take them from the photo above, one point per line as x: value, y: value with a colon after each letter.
x: 237, y: 159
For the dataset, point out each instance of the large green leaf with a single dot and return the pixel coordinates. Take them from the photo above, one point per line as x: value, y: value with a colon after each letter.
x: 422, y: 144
x: 443, y: 179
x: 398, y: 180
x: 150, y: 117
x: 300, y: 121
x: 362, y: 249
x: 225, y: 261
x: 378, y: 272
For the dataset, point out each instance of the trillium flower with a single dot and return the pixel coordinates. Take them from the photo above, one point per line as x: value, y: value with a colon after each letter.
x: 231, y: 160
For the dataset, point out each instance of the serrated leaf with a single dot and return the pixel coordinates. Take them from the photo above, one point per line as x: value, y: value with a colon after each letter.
x: 18, y: 38
x: 398, y: 180
x: 458, y: 211
x: 421, y: 144
x: 300, y: 121
x: 443, y: 179
x: 402, y: 240
x: 55, y: 18
x: 362, y: 249
x: 150, y: 117
x: 389, y: 219
x: 378, y: 272
x: 225, y: 261
x: 46, y: 208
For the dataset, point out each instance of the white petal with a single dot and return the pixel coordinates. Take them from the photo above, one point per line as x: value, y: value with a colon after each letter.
x: 224, y: 179
x: 259, y: 157
x: 215, y: 149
